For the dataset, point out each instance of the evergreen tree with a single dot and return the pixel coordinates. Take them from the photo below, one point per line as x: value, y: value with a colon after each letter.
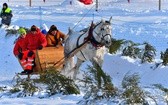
x: 115, y: 46
x: 57, y: 83
x: 97, y: 85
x: 133, y: 94
x: 131, y: 50
x: 149, y: 53
x: 164, y: 57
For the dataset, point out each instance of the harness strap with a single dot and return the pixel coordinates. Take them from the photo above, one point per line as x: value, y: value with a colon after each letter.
x: 72, y: 53
x: 77, y: 45
x: 95, y: 43
x: 91, y: 38
x: 90, y: 34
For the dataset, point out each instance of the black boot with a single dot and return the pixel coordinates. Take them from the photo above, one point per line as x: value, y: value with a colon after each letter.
x: 25, y: 71
x: 29, y: 71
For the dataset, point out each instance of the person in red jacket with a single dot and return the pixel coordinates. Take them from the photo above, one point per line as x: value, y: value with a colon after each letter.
x: 34, y: 40
x: 19, y: 44
x: 20, y: 50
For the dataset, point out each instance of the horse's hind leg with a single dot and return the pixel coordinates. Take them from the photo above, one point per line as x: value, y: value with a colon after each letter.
x: 68, y: 65
x: 71, y: 62
x: 76, y: 68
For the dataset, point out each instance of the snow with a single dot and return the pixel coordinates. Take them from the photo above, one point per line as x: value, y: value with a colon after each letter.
x: 139, y: 21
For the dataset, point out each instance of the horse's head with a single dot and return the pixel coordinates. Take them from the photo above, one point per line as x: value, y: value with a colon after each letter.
x: 102, y: 32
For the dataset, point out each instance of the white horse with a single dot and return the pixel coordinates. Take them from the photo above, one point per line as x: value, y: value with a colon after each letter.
x: 88, y: 44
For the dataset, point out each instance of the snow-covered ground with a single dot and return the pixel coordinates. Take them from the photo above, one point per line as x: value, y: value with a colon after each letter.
x: 139, y: 21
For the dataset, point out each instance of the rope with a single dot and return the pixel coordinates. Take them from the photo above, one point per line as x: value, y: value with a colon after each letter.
x: 83, y: 17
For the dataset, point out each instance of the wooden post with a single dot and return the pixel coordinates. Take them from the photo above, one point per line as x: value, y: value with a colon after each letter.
x: 70, y: 2
x: 96, y: 5
x: 40, y: 13
x: 128, y: 1
x: 30, y: 3
x: 159, y: 4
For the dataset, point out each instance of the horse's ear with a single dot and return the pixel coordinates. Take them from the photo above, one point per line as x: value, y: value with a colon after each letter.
x: 70, y: 31
x: 110, y: 19
x: 102, y: 20
x: 92, y: 24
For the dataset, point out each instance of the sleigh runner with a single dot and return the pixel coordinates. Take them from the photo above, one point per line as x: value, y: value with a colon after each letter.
x: 46, y: 58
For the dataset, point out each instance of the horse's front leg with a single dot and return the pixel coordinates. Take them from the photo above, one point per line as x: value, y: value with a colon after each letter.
x: 97, y: 61
x: 98, y: 58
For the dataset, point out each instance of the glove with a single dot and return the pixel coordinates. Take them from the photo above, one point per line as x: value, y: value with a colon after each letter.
x: 20, y: 56
x: 30, y: 53
x: 63, y: 41
x: 57, y: 46
x: 40, y: 47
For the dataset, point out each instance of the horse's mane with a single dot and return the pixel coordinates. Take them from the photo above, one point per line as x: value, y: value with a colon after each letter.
x: 87, y: 28
x: 84, y: 30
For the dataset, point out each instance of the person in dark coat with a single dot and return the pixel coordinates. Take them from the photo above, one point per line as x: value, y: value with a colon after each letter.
x: 6, y: 15
x: 55, y: 37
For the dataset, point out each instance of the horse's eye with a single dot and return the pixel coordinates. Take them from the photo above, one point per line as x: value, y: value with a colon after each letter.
x: 102, y: 29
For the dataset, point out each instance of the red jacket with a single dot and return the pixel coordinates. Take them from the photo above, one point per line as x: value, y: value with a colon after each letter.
x: 33, y: 41
x: 19, y: 46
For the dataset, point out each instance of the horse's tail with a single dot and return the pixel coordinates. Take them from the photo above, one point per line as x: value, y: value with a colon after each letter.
x: 70, y: 31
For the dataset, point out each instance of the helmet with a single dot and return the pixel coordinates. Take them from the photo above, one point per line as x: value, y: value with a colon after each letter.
x: 22, y: 31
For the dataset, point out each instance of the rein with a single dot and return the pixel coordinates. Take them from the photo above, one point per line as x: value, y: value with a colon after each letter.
x: 87, y: 39
x: 74, y: 51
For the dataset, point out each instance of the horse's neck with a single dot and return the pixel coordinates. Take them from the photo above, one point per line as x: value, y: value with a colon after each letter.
x: 83, y: 35
x: 93, y: 31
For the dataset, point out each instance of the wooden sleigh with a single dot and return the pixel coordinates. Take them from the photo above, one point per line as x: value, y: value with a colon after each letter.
x: 48, y: 57
x: 52, y: 57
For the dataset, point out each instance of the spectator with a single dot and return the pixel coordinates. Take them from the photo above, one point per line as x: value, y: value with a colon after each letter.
x: 6, y: 15
x: 54, y: 37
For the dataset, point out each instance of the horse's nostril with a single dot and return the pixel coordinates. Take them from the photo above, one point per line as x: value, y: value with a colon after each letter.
x: 107, y: 42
